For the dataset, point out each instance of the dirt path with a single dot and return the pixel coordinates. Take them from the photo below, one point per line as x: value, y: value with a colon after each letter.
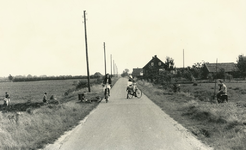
x: 127, y: 124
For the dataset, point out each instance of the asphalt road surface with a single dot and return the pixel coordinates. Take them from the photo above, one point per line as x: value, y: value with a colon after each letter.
x: 127, y: 124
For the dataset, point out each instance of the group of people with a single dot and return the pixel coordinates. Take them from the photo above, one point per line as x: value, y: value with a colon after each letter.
x: 107, y: 83
x: 131, y: 81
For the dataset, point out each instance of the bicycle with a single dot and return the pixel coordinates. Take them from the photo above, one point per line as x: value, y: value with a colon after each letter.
x: 106, y: 93
x: 134, y: 91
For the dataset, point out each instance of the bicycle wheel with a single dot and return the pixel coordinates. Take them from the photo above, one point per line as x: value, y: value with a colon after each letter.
x: 138, y: 93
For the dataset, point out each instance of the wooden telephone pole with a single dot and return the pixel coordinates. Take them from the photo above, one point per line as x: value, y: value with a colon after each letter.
x: 105, y: 58
x: 111, y: 63
x: 87, y: 59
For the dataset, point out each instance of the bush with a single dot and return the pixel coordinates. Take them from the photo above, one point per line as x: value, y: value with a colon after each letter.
x: 81, y: 84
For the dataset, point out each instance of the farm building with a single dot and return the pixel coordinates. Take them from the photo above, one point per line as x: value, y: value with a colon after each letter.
x: 137, y: 72
x: 153, y: 68
x: 229, y: 68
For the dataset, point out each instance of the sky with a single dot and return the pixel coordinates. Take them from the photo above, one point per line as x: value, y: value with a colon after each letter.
x: 47, y: 37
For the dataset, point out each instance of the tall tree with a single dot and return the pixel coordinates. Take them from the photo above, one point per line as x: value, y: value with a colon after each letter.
x: 241, y: 64
x: 125, y: 73
x: 169, y: 64
x: 10, y: 77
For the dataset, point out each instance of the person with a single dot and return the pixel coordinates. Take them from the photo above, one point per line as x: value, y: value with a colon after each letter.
x: 6, y: 99
x: 130, y: 86
x: 107, y: 83
x: 222, y: 89
x: 45, y: 100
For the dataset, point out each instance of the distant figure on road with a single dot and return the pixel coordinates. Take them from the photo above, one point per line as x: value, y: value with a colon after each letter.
x: 130, y: 85
x: 45, y: 99
x: 6, y: 99
x: 222, y: 89
x: 107, y: 83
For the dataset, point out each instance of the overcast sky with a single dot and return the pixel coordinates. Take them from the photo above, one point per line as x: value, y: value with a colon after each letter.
x: 46, y: 37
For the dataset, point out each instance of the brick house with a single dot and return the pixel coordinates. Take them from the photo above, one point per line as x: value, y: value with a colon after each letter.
x: 153, y: 68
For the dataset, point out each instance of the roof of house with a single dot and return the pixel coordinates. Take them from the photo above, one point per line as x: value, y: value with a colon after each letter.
x: 154, y: 59
x: 228, y: 67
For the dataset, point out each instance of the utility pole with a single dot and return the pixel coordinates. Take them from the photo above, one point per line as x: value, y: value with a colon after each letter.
x: 111, y: 63
x: 105, y: 58
x: 87, y: 61
x: 183, y: 58
x: 113, y: 68
x: 215, y: 79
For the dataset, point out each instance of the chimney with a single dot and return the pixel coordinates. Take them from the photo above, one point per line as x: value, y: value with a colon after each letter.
x: 155, y: 56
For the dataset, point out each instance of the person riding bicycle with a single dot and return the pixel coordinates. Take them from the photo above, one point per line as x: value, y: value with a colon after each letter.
x: 107, y: 83
x: 130, y: 86
x: 222, y: 89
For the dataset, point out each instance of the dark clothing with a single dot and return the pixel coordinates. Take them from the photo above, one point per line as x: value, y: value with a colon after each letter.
x: 45, y: 98
x: 107, y: 80
x: 219, y: 94
x: 7, y: 96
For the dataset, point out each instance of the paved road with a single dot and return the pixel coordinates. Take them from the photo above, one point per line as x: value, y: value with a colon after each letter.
x: 127, y: 124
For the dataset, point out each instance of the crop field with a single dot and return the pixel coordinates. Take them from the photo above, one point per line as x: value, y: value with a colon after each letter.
x: 33, y: 91
x: 220, y: 125
x: 34, y: 127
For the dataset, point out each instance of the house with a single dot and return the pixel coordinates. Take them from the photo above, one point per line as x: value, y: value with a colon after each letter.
x: 153, y: 68
x: 137, y: 72
x: 229, y: 68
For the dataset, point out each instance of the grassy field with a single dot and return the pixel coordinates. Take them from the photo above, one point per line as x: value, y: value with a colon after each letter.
x: 222, y: 126
x: 25, y: 91
x: 33, y: 128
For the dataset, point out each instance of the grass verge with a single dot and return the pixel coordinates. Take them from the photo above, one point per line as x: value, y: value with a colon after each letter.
x: 222, y: 126
x: 36, y: 127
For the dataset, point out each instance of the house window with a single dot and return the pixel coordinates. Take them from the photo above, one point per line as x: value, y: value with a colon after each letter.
x: 159, y: 63
x: 152, y: 63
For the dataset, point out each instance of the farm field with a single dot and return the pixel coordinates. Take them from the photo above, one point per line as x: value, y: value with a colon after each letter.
x: 205, y: 91
x: 220, y: 125
x: 34, y: 127
x: 21, y: 92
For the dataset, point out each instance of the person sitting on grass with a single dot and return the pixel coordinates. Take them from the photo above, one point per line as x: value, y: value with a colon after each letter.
x: 6, y: 99
x: 45, y: 99
x: 222, y: 89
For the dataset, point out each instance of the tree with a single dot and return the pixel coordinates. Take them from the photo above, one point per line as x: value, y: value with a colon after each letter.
x: 169, y: 64
x: 10, y: 77
x: 241, y: 64
x: 125, y: 73
x: 198, y: 70
x: 97, y: 75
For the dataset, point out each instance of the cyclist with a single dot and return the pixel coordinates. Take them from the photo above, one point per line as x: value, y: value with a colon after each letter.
x: 130, y: 86
x: 107, y: 83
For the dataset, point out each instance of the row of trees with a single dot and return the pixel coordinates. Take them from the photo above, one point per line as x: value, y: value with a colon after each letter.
x: 20, y: 78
